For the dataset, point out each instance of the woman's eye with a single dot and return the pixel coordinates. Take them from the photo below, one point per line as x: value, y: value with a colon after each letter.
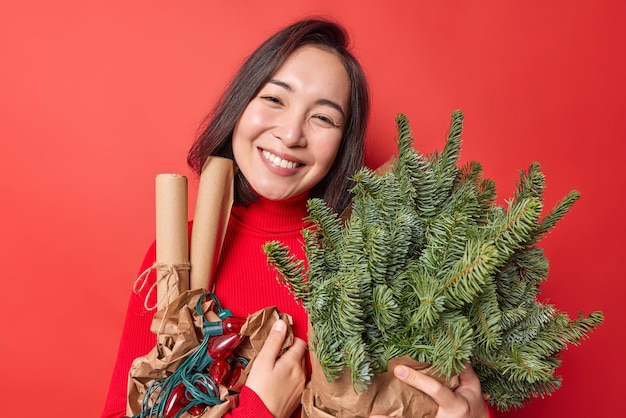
x: 325, y: 121
x: 272, y: 99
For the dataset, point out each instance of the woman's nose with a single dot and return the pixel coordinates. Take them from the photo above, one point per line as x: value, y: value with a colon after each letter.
x: 290, y: 130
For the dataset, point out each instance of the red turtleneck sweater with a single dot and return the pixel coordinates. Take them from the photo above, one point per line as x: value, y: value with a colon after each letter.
x: 244, y: 284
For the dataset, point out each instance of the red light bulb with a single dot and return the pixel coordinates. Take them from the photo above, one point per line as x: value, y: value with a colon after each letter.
x: 225, y: 326
x: 219, y: 371
x: 233, y: 324
x: 233, y: 381
x: 221, y: 347
x: 176, y: 401
x: 198, y: 409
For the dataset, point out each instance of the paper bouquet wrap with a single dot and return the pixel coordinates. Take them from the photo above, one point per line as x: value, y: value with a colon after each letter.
x: 425, y: 264
x: 384, y: 395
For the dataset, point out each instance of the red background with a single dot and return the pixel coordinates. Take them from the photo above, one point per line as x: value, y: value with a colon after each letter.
x: 98, y: 97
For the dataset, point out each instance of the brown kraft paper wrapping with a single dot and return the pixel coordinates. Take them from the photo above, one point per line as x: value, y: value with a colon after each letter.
x: 182, y: 333
x: 213, y: 205
x: 386, y: 395
x: 172, y: 253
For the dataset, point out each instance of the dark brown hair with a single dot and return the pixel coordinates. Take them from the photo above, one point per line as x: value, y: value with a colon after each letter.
x: 216, y: 135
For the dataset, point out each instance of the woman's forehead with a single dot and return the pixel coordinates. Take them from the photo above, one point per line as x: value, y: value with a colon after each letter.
x: 316, y: 71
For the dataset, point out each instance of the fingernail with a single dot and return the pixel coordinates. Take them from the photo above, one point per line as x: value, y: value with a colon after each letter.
x: 401, y: 372
x: 278, y: 325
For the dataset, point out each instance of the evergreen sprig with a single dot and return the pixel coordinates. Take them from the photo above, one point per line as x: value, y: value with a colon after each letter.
x: 428, y: 265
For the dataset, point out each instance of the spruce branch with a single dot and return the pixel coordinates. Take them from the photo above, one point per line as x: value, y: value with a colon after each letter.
x: 556, y: 214
x: 531, y: 183
x: 290, y: 268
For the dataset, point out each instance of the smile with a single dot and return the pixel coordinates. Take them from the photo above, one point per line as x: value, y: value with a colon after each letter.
x: 279, y: 162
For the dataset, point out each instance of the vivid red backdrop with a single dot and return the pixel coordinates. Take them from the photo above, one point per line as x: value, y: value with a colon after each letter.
x: 98, y: 97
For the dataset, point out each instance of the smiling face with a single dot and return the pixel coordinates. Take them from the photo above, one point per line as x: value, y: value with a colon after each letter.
x: 288, y: 135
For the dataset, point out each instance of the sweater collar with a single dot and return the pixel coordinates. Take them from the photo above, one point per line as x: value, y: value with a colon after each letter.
x: 273, y: 216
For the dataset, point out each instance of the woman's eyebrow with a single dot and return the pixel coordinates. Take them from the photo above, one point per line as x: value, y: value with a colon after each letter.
x: 323, y: 102
x: 282, y: 84
x: 327, y: 102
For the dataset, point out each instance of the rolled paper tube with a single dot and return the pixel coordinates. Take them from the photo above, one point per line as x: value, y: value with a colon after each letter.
x: 172, y: 248
x: 213, y: 205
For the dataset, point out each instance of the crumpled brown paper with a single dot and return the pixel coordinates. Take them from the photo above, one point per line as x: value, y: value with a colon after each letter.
x: 255, y: 332
x: 386, y: 395
x: 181, y: 333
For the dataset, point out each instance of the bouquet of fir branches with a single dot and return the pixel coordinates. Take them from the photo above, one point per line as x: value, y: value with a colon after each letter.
x: 427, y: 265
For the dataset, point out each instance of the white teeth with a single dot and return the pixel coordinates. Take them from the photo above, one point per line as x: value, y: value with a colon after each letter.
x: 276, y: 160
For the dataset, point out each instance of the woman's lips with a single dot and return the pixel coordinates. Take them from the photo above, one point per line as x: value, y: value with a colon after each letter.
x: 276, y: 161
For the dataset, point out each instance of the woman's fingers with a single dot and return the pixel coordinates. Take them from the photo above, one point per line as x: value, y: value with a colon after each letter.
x: 295, y: 352
x: 465, y: 401
x: 278, y: 377
x: 273, y: 344
x: 468, y: 376
x: 443, y: 396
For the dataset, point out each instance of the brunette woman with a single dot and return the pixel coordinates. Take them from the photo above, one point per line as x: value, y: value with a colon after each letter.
x: 293, y: 119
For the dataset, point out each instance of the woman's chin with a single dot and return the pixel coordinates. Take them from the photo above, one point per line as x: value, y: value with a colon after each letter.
x: 277, y: 196
x: 273, y: 193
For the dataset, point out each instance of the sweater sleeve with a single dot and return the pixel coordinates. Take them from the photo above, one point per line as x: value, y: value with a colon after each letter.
x: 250, y: 406
x: 136, y: 341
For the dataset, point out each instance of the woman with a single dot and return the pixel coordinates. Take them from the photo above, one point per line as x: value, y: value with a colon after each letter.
x: 294, y: 120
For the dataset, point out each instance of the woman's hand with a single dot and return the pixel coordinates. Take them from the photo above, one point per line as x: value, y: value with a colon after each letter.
x: 279, y: 379
x: 465, y: 401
